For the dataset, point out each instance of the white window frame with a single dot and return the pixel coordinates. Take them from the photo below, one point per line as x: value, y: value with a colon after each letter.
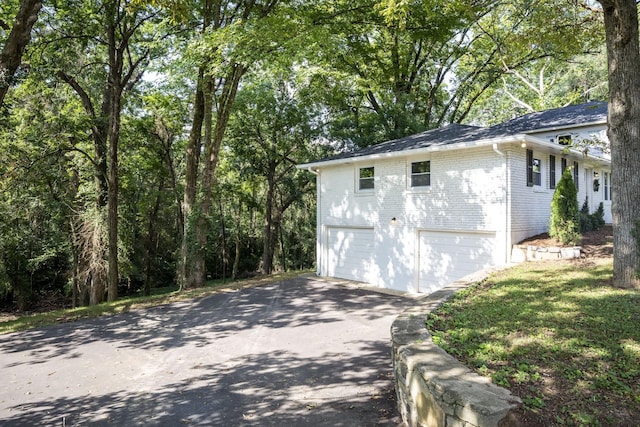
x: 359, y: 179
x: 410, y: 175
x: 537, y: 172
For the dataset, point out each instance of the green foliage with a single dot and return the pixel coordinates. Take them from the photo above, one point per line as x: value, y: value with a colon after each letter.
x: 564, y: 223
x: 598, y: 216
x: 591, y: 221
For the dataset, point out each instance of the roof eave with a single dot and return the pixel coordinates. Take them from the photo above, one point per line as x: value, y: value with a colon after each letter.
x: 519, y: 138
x: 567, y: 127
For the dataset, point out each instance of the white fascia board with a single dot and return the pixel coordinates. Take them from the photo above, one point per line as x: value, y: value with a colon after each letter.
x: 559, y: 148
x: 517, y: 138
x: 578, y: 125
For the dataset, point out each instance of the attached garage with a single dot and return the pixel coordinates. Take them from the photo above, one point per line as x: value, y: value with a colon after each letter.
x: 349, y: 252
x: 446, y: 256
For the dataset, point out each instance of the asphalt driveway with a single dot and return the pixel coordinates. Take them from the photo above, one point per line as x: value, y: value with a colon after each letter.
x: 298, y: 352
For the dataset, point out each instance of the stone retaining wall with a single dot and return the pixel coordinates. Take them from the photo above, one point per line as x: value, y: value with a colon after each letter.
x: 521, y: 253
x: 433, y: 388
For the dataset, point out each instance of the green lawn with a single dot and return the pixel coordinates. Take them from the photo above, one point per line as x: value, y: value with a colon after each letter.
x: 159, y: 296
x: 557, y: 335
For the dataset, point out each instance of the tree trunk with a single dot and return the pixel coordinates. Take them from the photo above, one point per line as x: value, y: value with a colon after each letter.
x: 191, y: 184
x: 225, y: 256
x: 212, y: 151
x: 236, y: 259
x: 14, y: 47
x: 623, y: 55
x: 268, y: 239
x: 151, y: 239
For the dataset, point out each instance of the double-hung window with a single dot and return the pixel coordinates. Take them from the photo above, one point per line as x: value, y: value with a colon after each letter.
x: 421, y: 174
x: 534, y: 172
x: 552, y: 172
x: 365, y: 178
x: 537, y: 172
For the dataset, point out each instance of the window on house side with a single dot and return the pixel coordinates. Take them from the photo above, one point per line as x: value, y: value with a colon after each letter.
x: 421, y: 174
x: 365, y: 181
x: 529, y: 168
x: 552, y: 172
x: 576, y: 175
x: 563, y: 165
x: 537, y: 173
x: 607, y: 188
x: 564, y: 139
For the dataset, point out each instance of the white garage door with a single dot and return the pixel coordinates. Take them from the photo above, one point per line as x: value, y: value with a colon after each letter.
x: 445, y: 257
x: 350, y: 252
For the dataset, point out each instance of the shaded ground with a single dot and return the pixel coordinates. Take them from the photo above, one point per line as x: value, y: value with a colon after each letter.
x: 298, y: 352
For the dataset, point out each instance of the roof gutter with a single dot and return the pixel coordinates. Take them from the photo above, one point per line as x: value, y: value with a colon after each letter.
x: 522, y: 138
x: 567, y: 127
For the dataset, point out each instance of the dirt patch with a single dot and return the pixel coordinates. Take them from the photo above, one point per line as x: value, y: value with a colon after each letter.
x: 595, y: 244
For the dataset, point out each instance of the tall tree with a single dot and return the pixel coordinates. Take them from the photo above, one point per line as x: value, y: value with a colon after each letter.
x: 623, y: 58
x: 274, y: 128
x: 16, y: 42
x: 236, y: 35
x: 116, y: 26
x: 410, y: 66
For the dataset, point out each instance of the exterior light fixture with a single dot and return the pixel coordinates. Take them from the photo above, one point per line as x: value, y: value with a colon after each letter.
x: 523, y: 145
x: 394, y: 221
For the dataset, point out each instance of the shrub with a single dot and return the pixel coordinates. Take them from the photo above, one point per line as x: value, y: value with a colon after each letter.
x: 598, y: 216
x: 593, y: 221
x: 564, y: 224
x: 585, y: 217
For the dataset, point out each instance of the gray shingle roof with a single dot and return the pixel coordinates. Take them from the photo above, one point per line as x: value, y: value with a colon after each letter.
x: 455, y: 133
x: 450, y: 134
x: 572, y: 115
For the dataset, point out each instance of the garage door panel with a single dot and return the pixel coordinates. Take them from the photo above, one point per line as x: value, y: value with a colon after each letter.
x: 445, y: 257
x: 349, y: 252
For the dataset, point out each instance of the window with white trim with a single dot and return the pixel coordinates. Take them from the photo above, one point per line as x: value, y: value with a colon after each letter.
x: 534, y: 170
x: 421, y: 174
x: 365, y: 178
x: 537, y: 172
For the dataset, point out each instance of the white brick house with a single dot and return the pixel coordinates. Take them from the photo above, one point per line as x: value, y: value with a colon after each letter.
x: 417, y: 213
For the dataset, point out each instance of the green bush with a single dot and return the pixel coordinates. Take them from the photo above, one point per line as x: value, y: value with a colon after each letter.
x: 591, y: 221
x: 564, y: 224
x: 585, y: 217
x: 598, y: 216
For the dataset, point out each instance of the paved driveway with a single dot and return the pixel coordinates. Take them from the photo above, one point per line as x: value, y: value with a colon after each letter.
x: 297, y: 352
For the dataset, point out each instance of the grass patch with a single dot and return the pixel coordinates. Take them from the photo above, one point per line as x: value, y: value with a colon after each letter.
x: 557, y: 335
x: 159, y: 296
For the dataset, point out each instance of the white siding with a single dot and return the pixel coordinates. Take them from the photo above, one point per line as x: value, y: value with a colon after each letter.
x: 474, y: 191
x: 350, y: 253
x: 445, y: 257
x: 467, y: 194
